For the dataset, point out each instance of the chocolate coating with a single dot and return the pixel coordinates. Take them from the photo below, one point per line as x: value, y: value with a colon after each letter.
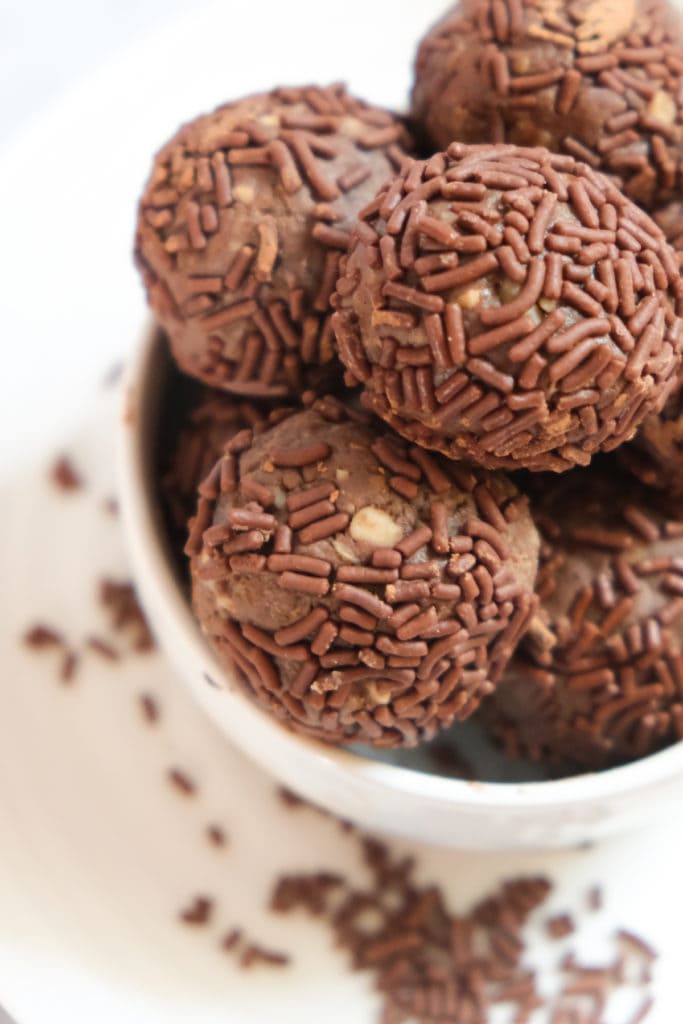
x: 599, y: 79
x: 509, y: 307
x: 209, y: 421
x: 363, y: 590
x: 599, y: 677
x: 241, y: 227
x: 655, y: 455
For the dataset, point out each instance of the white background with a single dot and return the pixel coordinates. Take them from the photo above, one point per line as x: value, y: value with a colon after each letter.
x: 45, y: 47
x: 70, y: 302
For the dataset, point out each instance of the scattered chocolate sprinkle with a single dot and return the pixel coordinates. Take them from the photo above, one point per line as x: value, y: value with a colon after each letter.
x: 255, y: 955
x: 41, y: 636
x: 198, y: 912
x: 216, y: 836
x: 69, y: 666
x: 149, y: 706
x: 126, y: 615
x: 231, y: 939
x: 120, y: 600
x: 430, y: 965
x: 64, y: 474
x: 181, y: 781
x: 289, y: 798
x: 560, y: 925
x: 252, y: 954
x: 100, y: 647
x: 595, y: 898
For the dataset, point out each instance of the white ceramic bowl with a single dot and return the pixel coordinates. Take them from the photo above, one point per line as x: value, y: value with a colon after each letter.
x: 374, y: 794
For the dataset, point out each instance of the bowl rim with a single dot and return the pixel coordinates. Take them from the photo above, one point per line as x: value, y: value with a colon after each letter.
x: 140, y: 524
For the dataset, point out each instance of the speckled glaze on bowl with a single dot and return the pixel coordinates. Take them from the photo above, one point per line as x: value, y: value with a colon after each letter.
x: 374, y: 794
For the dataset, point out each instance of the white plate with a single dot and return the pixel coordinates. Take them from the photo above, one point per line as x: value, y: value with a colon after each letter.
x: 97, y: 852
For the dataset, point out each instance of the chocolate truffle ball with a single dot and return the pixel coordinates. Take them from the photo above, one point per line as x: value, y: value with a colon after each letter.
x: 599, y: 677
x: 598, y: 80
x: 208, y: 421
x: 241, y: 227
x: 655, y: 455
x: 510, y: 307
x: 362, y: 589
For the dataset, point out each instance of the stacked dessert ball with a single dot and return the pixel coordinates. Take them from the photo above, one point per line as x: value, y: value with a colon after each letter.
x: 365, y: 590
x: 360, y: 560
x: 599, y: 676
x: 510, y: 307
x: 242, y: 226
x: 656, y: 454
x: 596, y: 79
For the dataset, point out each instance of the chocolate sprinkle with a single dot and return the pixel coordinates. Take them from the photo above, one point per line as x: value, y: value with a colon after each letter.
x: 211, y: 420
x: 255, y: 955
x: 252, y: 954
x: 41, y: 636
x: 102, y: 648
x: 64, y: 474
x: 368, y: 628
x: 69, y: 666
x: 431, y: 966
x: 120, y: 600
x: 181, y: 781
x: 560, y: 925
x: 216, y: 836
x: 198, y: 912
x: 511, y: 363
x: 149, y: 707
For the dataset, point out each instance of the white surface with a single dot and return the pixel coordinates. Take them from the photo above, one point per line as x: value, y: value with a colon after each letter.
x: 44, y: 47
x: 97, y: 853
